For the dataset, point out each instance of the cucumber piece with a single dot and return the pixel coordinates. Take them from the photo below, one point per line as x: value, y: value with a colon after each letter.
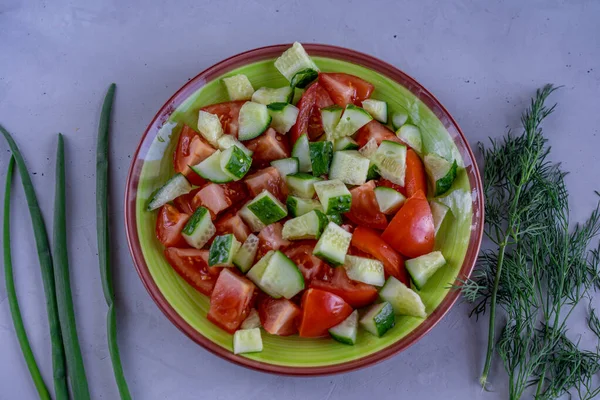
x: 235, y: 163
x: 379, y: 319
x: 267, y: 208
x: 222, y: 250
x: 303, y: 78
x: 282, y: 276
x: 238, y: 87
x: 307, y: 226
x: 226, y: 141
x: 253, y: 222
x: 439, y: 212
x: 334, y: 196
x: 199, y: 228
x: 351, y: 121
x: 298, y: 206
x: 266, y: 95
x: 297, y: 95
x: 377, y: 108
x: 365, y: 270
x: 286, y: 166
x: 252, y: 320
x: 335, y: 218
x: 175, y: 187
x: 283, y: 116
x: 209, y: 126
x: 320, y: 157
x: 302, y: 184
x: 258, y: 270
x: 369, y: 148
x: 441, y: 172
x: 372, y: 173
x: 389, y: 200
x: 330, y: 117
x: 411, y: 135
x: 423, y: 267
x: 333, y: 244
x: 345, y: 332
x: 349, y: 167
x: 345, y: 143
x: 247, y: 341
x: 399, y: 118
x: 244, y: 258
x: 302, y: 153
x: 294, y: 60
x: 254, y: 119
x: 211, y: 169
x: 390, y: 160
x: 403, y: 299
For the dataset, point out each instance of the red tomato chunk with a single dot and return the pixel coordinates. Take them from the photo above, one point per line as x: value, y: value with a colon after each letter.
x: 231, y: 300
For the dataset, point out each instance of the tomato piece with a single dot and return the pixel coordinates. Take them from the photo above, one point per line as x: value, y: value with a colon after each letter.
x: 192, y: 265
x: 315, y: 124
x: 169, y: 224
x: 267, y: 179
x: 364, y: 210
x: 411, y: 231
x: 375, y: 130
x: 346, y: 89
x: 370, y: 242
x: 278, y: 317
x: 356, y: 294
x: 231, y: 300
x: 191, y: 149
x: 270, y: 238
x: 232, y: 223
x: 312, y: 267
x: 305, y: 108
x: 390, y: 184
x: 415, y: 178
x: 185, y: 202
x: 321, y: 310
x: 268, y: 147
x: 228, y: 114
x: 218, y: 198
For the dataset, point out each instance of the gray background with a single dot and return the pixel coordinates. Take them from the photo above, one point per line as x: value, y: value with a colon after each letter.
x: 483, y: 60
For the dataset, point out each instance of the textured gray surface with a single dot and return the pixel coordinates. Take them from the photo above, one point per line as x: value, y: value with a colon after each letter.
x: 482, y: 60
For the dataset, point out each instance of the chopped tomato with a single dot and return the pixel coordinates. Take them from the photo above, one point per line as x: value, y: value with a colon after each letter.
x: 415, y: 178
x: 312, y: 267
x: 268, y: 147
x: 228, y: 114
x: 278, y: 317
x: 315, y: 124
x: 305, y: 108
x: 192, y: 265
x: 411, y: 231
x: 364, y: 210
x: 370, y: 242
x: 321, y: 310
x: 232, y: 223
x: 185, y: 202
x: 191, y: 149
x: 346, y: 89
x: 269, y: 179
x: 375, y: 130
x: 231, y: 300
x: 390, y: 184
x: 357, y: 294
x: 218, y: 198
x: 169, y: 224
x: 270, y: 238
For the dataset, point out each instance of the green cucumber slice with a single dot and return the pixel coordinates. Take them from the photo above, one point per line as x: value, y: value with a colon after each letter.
x: 335, y: 218
x: 345, y: 332
x: 253, y: 120
x: 211, y: 169
x: 307, y: 226
x: 334, y: 196
x: 266, y: 95
x: 226, y: 141
x: 302, y: 153
x: 365, y: 270
x: 399, y: 118
x: 252, y: 320
x: 351, y: 121
x: 439, y: 212
x: 320, y: 157
x: 377, y: 108
x: 209, y: 126
x: 283, y: 116
x: 389, y: 200
x: 333, y: 244
x: 294, y: 60
x: 403, y: 299
x: 199, y: 228
x: 267, y: 208
x: 423, y: 267
x: 349, y: 167
x: 258, y: 270
x: 390, y: 160
x: 441, y: 172
x: 222, y: 250
x: 302, y: 184
x: 247, y: 341
x: 235, y: 163
x: 411, y: 135
x: 238, y: 87
x: 379, y: 319
x: 372, y: 173
x: 282, y: 276
x: 345, y: 143
x: 175, y: 187
x: 303, y: 78
x: 298, y: 206
x: 330, y: 117
x: 244, y: 258
x: 286, y: 166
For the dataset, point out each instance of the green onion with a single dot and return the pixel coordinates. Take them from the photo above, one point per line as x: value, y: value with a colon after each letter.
x: 13, y: 302
x: 103, y: 239
x: 75, y: 368
x: 43, y: 250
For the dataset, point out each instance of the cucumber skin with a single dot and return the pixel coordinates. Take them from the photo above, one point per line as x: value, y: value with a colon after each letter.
x: 320, y: 154
x: 196, y: 217
x: 339, y: 204
x: 341, y: 339
x: 383, y: 322
x: 444, y: 184
x: 372, y: 174
x: 303, y: 78
x: 270, y: 212
x: 220, y: 249
x: 239, y: 163
x: 335, y: 218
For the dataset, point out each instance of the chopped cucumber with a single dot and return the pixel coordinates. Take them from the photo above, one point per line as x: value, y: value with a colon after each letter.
x: 235, y: 163
x: 244, y: 258
x: 307, y: 226
x: 302, y: 153
x: 345, y: 143
x: 302, y: 184
x: 351, y: 121
x: 226, y: 141
x: 210, y: 127
x: 320, y: 157
x: 334, y: 196
x: 258, y: 270
x: 335, y: 218
x: 266, y: 208
x: 254, y: 119
x: 349, y: 167
x: 211, y: 169
x: 399, y: 118
x: 411, y: 135
x: 281, y: 276
x: 222, y: 250
x: 283, y: 116
x: 238, y: 87
x: 369, y: 148
x: 403, y: 299
x: 389, y: 200
x: 199, y: 228
x: 286, y: 166
x: 390, y: 160
x: 247, y: 341
x: 439, y: 212
x: 377, y: 108
x: 175, y: 187
x: 345, y: 332
x: 303, y: 78
x: 297, y: 95
x: 333, y: 244
x: 365, y: 270
x: 379, y: 319
x: 266, y: 95
x: 372, y: 173
x: 298, y: 206
x: 330, y: 117
x: 423, y: 267
x: 252, y: 320
x: 294, y: 60
x: 441, y: 172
